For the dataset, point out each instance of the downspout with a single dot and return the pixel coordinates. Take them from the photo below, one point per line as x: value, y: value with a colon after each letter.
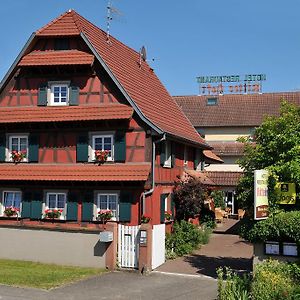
x: 148, y: 193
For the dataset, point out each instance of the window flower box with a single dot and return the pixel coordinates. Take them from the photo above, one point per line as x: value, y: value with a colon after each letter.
x: 11, y: 211
x: 53, y: 213
x: 104, y: 215
x: 145, y: 219
x: 101, y: 156
x: 168, y: 215
x: 18, y: 156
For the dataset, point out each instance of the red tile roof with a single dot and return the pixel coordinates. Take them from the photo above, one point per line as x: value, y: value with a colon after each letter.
x: 63, y: 57
x: 78, y: 172
x: 139, y: 81
x: 65, y: 113
x: 233, y: 110
x: 227, y: 148
x: 224, y: 178
x: 200, y: 176
x: 211, y: 157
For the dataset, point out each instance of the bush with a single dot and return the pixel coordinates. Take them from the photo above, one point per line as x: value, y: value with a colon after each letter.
x: 207, y: 218
x: 219, y: 198
x: 233, y: 287
x: 275, y: 280
x: 185, y: 238
x: 272, y: 280
x: 281, y: 226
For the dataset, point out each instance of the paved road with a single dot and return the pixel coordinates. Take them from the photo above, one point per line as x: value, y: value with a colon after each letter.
x: 123, y: 286
x: 222, y: 250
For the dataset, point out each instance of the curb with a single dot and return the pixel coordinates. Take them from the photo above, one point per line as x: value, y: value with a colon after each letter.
x: 201, y: 276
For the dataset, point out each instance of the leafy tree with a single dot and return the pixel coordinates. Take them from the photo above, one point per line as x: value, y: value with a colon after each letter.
x: 276, y: 147
x: 189, y: 198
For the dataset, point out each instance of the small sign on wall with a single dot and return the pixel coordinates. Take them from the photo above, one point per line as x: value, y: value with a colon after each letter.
x: 272, y: 248
x: 290, y: 249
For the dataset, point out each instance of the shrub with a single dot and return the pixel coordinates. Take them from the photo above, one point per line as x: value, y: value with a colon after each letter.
x: 281, y: 226
x: 207, y: 218
x: 218, y: 197
x: 233, y: 287
x: 185, y: 238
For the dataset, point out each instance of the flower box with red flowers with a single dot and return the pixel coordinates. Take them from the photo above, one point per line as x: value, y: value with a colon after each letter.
x: 104, y: 215
x: 53, y: 213
x: 18, y: 156
x: 101, y: 156
x: 145, y: 219
x: 168, y: 215
x: 11, y: 211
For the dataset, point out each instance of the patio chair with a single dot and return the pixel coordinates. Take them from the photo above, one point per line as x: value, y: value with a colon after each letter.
x: 241, y: 213
x: 219, y: 216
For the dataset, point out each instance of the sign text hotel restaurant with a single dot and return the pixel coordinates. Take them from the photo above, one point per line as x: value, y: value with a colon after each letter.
x: 232, y: 84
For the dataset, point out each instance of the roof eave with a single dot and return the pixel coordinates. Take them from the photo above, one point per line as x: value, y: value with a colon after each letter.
x: 203, y: 146
x: 16, y: 61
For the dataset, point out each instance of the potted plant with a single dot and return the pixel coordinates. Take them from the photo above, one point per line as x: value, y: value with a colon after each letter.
x: 104, y: 215
x: 101, y: 156
x: 168, y: 215
x: 53, y: 213
x: 145, y: 219
x: 18, y: 156
x: 11, y: 211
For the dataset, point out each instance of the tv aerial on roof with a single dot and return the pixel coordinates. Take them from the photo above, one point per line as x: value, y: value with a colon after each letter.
x: 111, y: 13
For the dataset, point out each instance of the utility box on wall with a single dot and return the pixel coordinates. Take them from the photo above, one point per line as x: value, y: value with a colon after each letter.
x: 106, y: 236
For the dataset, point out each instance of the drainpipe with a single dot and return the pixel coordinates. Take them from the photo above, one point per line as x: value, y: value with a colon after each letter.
x: 145, y: 194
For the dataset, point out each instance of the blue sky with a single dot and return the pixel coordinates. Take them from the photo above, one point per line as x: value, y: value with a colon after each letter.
x: 184, y: 39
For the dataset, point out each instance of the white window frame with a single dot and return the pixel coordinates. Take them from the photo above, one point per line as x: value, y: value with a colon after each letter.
x: 93, y: 136
x: 2, y: 207
x: 50, y: 96
x: 168, y: 155
x: 107, y: 193
x: 57, y: 192
x: 185, y: 155
x: 166, y: 201
x: 9, y: 138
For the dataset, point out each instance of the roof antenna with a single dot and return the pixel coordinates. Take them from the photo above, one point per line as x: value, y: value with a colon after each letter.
x: 109, y: 17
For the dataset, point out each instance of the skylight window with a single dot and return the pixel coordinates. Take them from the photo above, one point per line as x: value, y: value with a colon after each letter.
x: 212, y: 101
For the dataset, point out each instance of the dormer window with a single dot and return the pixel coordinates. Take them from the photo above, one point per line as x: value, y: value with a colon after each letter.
x: 59, y: 94
x: 212, y: 101
x: 61, y: 44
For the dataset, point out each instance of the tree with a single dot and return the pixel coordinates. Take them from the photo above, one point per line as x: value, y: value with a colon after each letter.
x: 275, y: 147
x: 189, y: 198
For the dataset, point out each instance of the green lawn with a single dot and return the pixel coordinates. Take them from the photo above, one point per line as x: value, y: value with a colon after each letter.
x: 43, y: 276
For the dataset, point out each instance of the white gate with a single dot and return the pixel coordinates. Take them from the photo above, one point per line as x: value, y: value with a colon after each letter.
x: 128, y: 246
x: 158, y: 245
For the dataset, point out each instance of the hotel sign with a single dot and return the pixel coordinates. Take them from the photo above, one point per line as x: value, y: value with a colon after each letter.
x: 233, y: 84
x: 261, y: 204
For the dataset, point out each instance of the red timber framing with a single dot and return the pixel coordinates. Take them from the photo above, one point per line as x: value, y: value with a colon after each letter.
x: 92, y: 95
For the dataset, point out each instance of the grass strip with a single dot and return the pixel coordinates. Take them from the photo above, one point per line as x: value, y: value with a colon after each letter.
x: 42, y: 276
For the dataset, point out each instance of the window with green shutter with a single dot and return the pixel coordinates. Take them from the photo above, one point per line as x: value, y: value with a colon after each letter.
x: 87, y: 211
x: 36, y: 209
x: 72, y: 207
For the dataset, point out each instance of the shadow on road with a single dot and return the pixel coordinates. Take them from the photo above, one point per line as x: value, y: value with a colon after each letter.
x: 207, y: 265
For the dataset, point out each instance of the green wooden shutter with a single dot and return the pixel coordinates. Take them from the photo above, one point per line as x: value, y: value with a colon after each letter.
x: 36, y: 209
x: 125, y: 207
x: 42, y: 96
x: 2, y: 147
x: 26, y: 204
x: 120, y: 146
x: 87, y: 211
x: 173, y: 154
x: 72, y: 207
x: 33, y: 148
x: 72, y: 211
x: 162, y: 153
x: 82, y: 148
x: 73, y: 95
x: 162, y: 208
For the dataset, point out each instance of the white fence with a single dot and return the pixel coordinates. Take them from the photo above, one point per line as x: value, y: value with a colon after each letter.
x: 128, y: 246
x: 158, y: 245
